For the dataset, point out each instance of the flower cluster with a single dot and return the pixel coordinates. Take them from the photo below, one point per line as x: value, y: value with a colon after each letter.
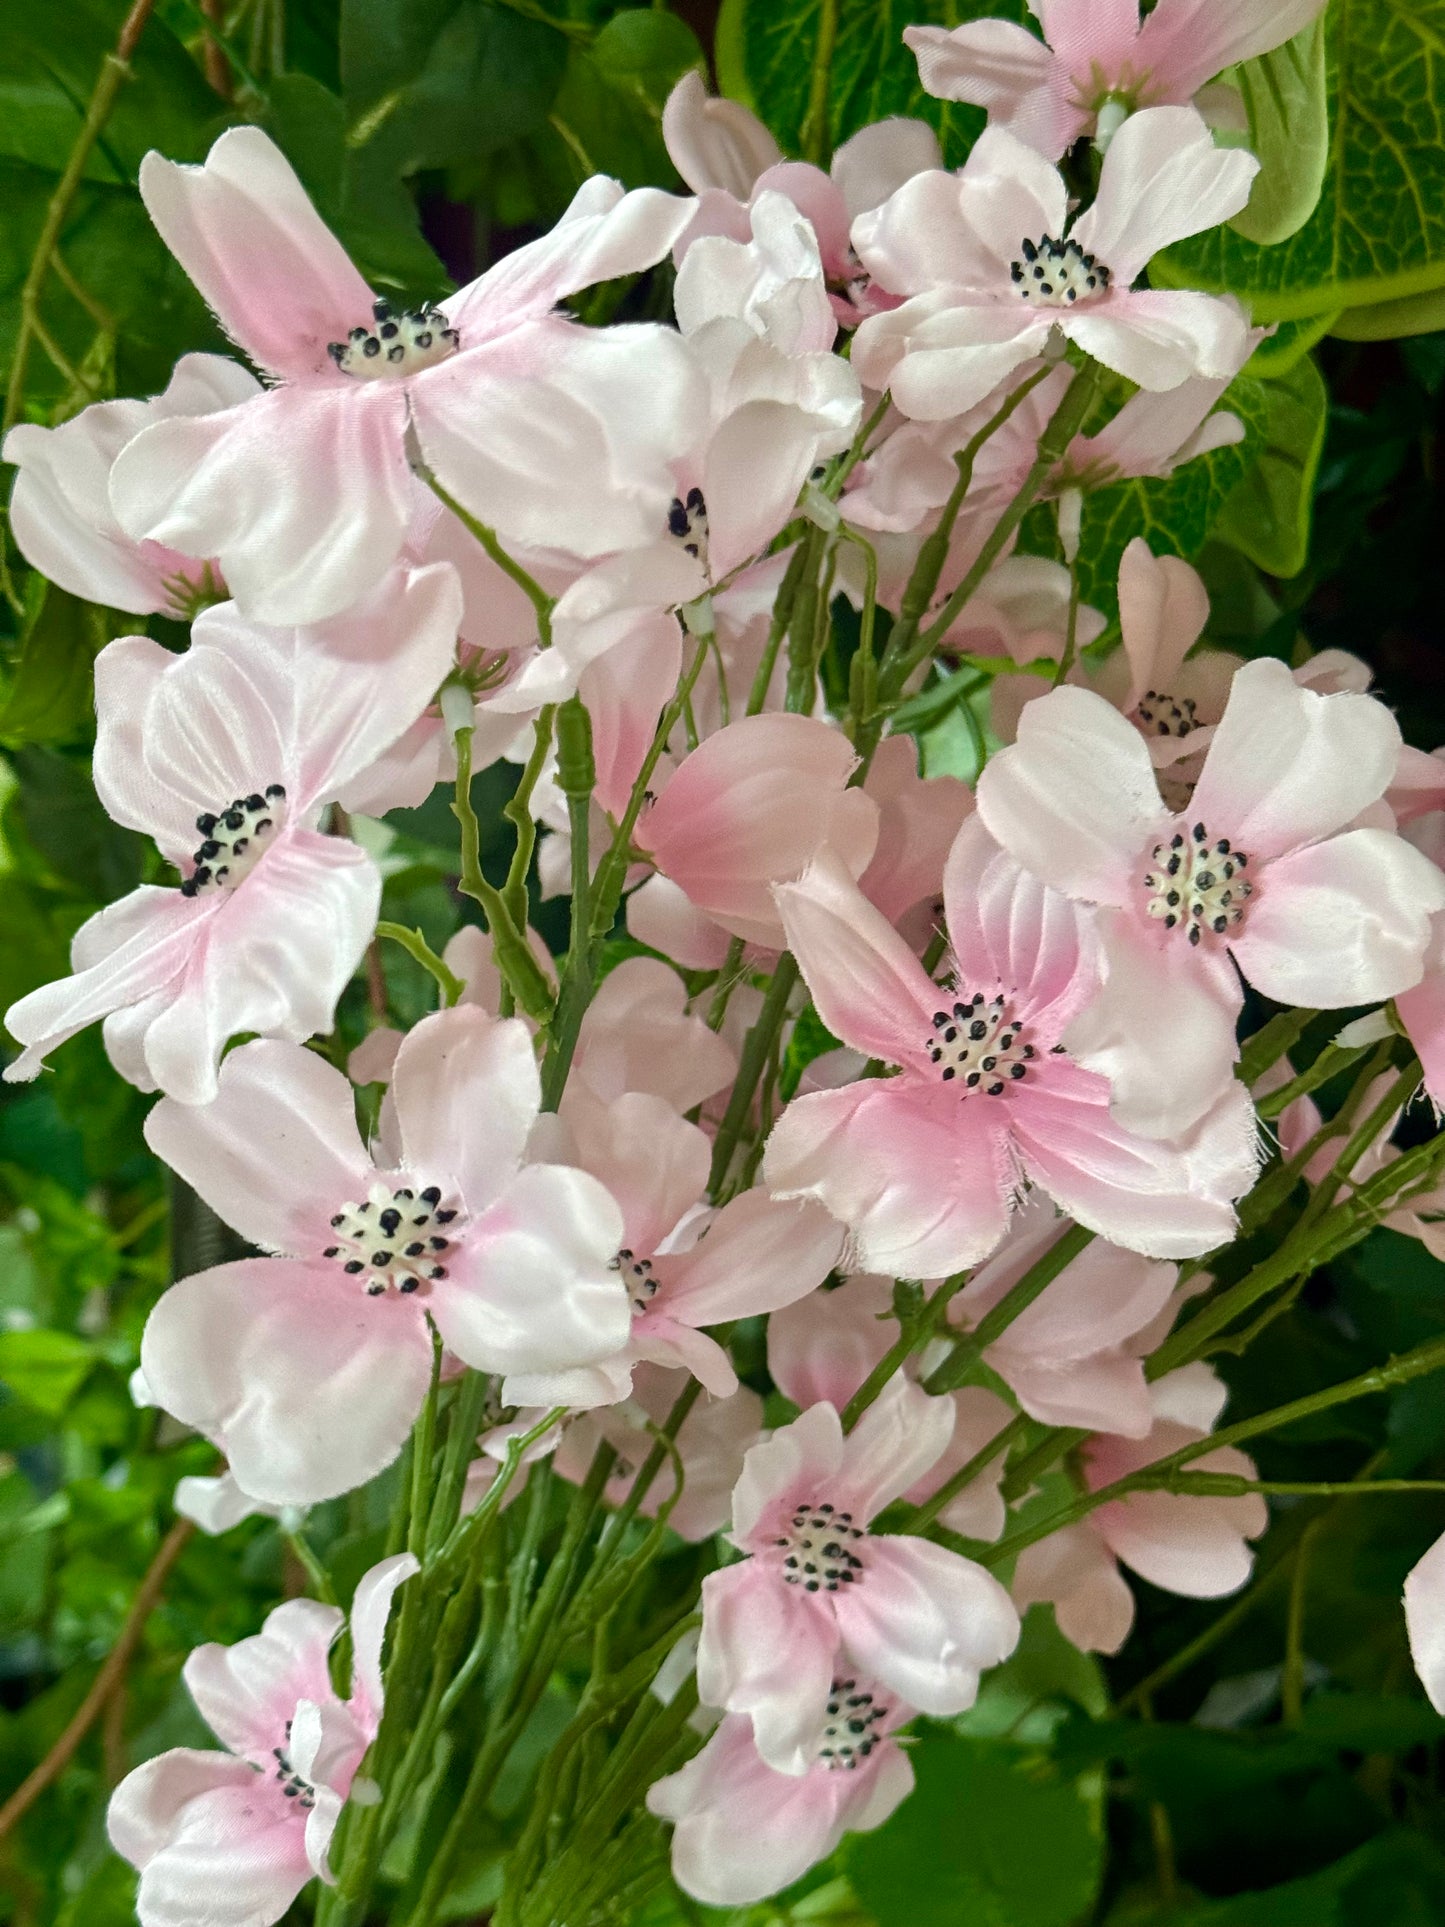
x: 416, y: 540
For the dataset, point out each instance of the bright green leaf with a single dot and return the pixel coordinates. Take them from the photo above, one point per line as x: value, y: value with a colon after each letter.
x: 1279, y: 351
x: 44, y: 1368
x: 1289, y: 129
x: 1416, y: 314
x: 49, y: 699
x: 1268, y: 515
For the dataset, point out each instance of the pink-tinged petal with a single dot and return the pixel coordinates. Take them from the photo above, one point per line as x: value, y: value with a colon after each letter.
x: 1008, y: 928
x: 926, y: 1623
x: 1344, y: 922
x: 761, y: 456
x: 1163, y: 608
x: 637, y: 1035
x: 1169, y: 1201
x: 1074, y: 799
x: 742, y: 1829
x: 1163, y: 180
x: 1100, y: 1299
x: 145, y: 1807
x: 274, y: 959
x: 1159, y: 1006
x: 663, y: 1341
x: 246, y: 1693
x: 467, y: 1094
x: 625, y: 692
x: 803, y: 1455
x: 868, y: 986
x: 939, y: 359
x: 243, y: 228
x: 1004, y: 68
x: 1418, y: 785
x: 1425, y: 1622
x: 1152, y: 434
x: 1185, y: 1544
x: 771, y: 283
x: 714, y: 142
x: 1103, y: 30
x: 370, y: 1610
x: 918, y: 239
x: 304, y: 494
x: 753, y: 806
x: 1076, y: 1572
x: 1422, y: 1012
x: 660, y: 914
x: 529, y: 1288
x: 918, y: 820
x: 1162, y: 338
x: 1193, y: 1396
x: 308, y: 1386
x: 559, y: 436
x: 1183, y: 43
x: 823, y: 1347
x: 604, y: 234
x: 215, y: 1505
x: 1011, y: 190
x: 1288, y: 766
x: 276, y: 1152
x: 654, y: 1163
x: 899, y: 1438
x: 1104, y: 1392
x: 875, y: 162
x: 757, y: 1255
x: 922, y: 1181
x: 128, y: 953
x: 767, y: 1649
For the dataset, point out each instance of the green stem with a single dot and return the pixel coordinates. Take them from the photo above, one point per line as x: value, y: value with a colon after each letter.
x: 519, y: 969
x: 1002, y: 1441
x: 416, y: 945
x: 530, y: 587
x: 815, y: 141
x: 913, y: 1334
x: 1017, y: 1299
x: 756, y: 1050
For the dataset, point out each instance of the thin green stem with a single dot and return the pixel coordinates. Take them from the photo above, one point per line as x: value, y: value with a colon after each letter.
x: 1040, y: 1275
x: 416, y: 945
x: 756, y: 1050
x: 530, y: 587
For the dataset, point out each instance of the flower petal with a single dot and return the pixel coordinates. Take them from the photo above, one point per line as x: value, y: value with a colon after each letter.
x: 1163, y: 180
x: 467, y: 1094
x: 926, y: 1623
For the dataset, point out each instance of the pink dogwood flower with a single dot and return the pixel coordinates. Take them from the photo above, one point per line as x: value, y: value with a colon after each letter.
x: 1185, y: 1543
x: 227, y: 756
x: 728, y: 158
x: 1097, y: 61
x: 1262, y: 872
x: 308, y: 1368
x: 742, y: 1830
x: 995, y: 272
x: 924, y: 1168
x: 305, y: 492
x: 684, y: 1265
x: 231, y: 1838
x: 819, y: 1596
x: 60, y: 511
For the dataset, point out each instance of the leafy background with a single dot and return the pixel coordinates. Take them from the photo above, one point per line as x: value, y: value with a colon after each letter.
x: 1264, y: 1762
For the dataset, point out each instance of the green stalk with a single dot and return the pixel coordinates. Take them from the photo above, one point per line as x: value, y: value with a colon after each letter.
x: 1017, y: 1299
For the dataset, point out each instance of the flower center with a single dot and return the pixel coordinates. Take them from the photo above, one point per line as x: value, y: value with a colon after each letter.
x: 815, y: 1552
x: 292, y: 1784
x: 235, y: 839
x: 1166, y: 715
x: 1056, y: 274
x: 1198, y: 885
x: 393, y: 1241
x: 637, y: 1276
x: 978, y: 1043
x: 687, y: 523
x: 399, y: 344
x: 848, y: 1735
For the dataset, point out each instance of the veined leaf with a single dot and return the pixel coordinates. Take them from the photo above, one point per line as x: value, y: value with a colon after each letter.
x: 1268, y: 515
x: 1286, y: 96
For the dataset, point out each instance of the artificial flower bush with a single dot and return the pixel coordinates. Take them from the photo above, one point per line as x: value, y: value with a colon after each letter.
x: 757, y: 999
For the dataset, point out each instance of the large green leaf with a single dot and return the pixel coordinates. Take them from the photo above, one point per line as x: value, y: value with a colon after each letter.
x: 608, y: 111
x: 1268, y: 515
x: 45, y: 1368
x: 766, y: 51
x: 992, y: 1837
x: 1286, y: 96
x: 1378, y: 233
x: 1414, y: 314
x: 49, y: 697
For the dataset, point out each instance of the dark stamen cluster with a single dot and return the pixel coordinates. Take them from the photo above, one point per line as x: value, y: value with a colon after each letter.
x: 1198, y: 886
x: 234, y: 838
x: 1167, y: 717
x: 399, y: 344
x: 292, y: 1784
x: 393, y: 1239
x: 1056, y: 274
x: 977, y: 1044
x: 848, y: 1736
x: 816, y: 1555
x: 687, y: 522
x: 641, y: 1285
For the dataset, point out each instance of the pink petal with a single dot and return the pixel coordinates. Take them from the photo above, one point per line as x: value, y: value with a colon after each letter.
x: 803, y: 1456
x: 243, y: 228
x: 235, y: 1850
x: 1162, y: 338
x: 941, y: 357
x: 145, y: 1807
x: 1422, y: 1012
x: 1100, y: 1299
x: 1074, y: 799
x: 712, y: 142
x: 1184, y: 1544
x: 654, y: 1163
x: 637, y: 1036
x: 767, y: 1649
x: 922, y: 1181
x: 1183, y: 43
x: 1081, y: 31
x: 306, y: 1384
x: 276, y: 1152
x: 274, y: 959
x: 660, y: 915
x: 926, y: 1623
x: 530, y: 1287
x: 1425, y: 1621
x: 663, y: 1341
x: 918, y: 820
x: 825, y: 1345
x: 370, y: 1610
x: 624, y: 693
x: 467, y: 1093
x: 875, y: 162
x: 1163, y: 608
x: 919, y: 238
x: 1344, y: 922
x: 304, y: 494
x: 246, y: 1693
x: 1004, y: 68
x: 1163, y: 180
x: 900, y: 1437
x: 1076, y: 1571
x: 758, y: 1255
x: 868, y: 986
x: 763, y: 453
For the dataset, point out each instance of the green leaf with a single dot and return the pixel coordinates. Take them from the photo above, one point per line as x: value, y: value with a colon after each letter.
x: 1378, y: 232
x: 992, y: 1837
x: 1285, y: 95
x: 66, y: 824
x: 1415, y: 314
x: 607, y: 113
x: 1268, y: 515
x: 44, y: 1368
x: 1279, y: 351
x: 765, y: 51
x: 49, y: 699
